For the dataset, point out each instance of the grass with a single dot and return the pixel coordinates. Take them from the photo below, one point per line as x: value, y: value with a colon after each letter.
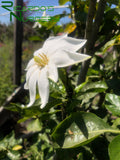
x: 6, y: 65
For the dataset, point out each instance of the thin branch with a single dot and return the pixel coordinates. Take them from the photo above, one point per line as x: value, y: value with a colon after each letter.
x: 91, y: 37
x: 98, y: 19
x: 88, y: 32
x: 15, y: 96
x: 89, y: 22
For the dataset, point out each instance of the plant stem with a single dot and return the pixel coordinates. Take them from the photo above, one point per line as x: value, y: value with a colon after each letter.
x: 92, y: 29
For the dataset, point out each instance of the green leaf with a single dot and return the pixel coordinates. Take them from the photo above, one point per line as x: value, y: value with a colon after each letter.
x: 87, y: 96
x: 113, y: 103
x: 57, y: 29
x: 79, y: 87
x: 89, y: 90
x: 41, y: 147
x: 114, y: 148
x: 53, y: 102
x: 27, y: 113
x: 35, y: 38
x: 57, y: 87
x: 23, y: 119
x: 93, y: 71
x: 9, y: 141
x: 34, y: 125
x: 79, y: 129
x: 13, y: 155
x: 116, y: 123
x: 100, y: 86
x: 14, y: 107
x: 30, y: 112
x: 114, y: 12
x: 53, y: 21
x: 108, y: 45
x: 62, y: 2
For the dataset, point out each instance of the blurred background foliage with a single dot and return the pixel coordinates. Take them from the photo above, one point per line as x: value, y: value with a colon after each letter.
x: 82, y: 119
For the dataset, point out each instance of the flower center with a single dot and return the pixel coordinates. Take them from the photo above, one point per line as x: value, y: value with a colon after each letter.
x: 42, y: 60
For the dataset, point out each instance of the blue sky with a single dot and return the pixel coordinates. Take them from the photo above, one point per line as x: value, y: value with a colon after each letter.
x: 6, y: 18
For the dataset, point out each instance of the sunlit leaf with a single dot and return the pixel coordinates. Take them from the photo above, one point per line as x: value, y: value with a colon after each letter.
x: 116, y: 123
x: 35, y: 38
x: 79, y: 87
x: 113, y: 103
x: 34, y: 125
x: 87, y: 96
x: 70, y: 28
x: 99, y: 86
x: 57, y: 87
x: 62, y: 2
x: 13, y: 155
x: 17, y: 147
x: 9, y: 141
x: 79, y: 129
x: 108, y: 45
x: 53, y: 21
x: 114, y: 149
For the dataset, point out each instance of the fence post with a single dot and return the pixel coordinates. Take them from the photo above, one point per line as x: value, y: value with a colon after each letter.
x: 18, y: 35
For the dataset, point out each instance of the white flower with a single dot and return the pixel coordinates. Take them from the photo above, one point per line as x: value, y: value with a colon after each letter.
x: 43, y: 18
x: 37, y: 24
x: 57, y: 52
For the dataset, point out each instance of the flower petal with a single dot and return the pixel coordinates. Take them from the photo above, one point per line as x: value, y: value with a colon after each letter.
x: 37, y: 24
x: 53, y: 73
x: 30, y: 63
x: 43, y: 87
x: 51, y: 40
x: 63, y: 42
x: 74, y: 44
x: 31, y: 70
x: 65, y: 58
x: 26, y: 86
x: 32, y: 86
x: 40, y: 51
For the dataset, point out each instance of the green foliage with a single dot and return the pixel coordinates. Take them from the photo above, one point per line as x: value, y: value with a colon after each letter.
x: 79, y: 122
x: 6, y: 32
x: 87, y: 91
x: 99, y: 86
x: 35, y: 38
x: 79, y: 129
x: 40, y: 148
x: 62, y: 2
x: 6, y: 86
x: 9, y: 147
x: 114, y: 148
x: 113, y: 103
x: 34, y: 126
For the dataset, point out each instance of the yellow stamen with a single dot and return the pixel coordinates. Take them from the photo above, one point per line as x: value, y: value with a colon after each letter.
x: 42, y: 60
